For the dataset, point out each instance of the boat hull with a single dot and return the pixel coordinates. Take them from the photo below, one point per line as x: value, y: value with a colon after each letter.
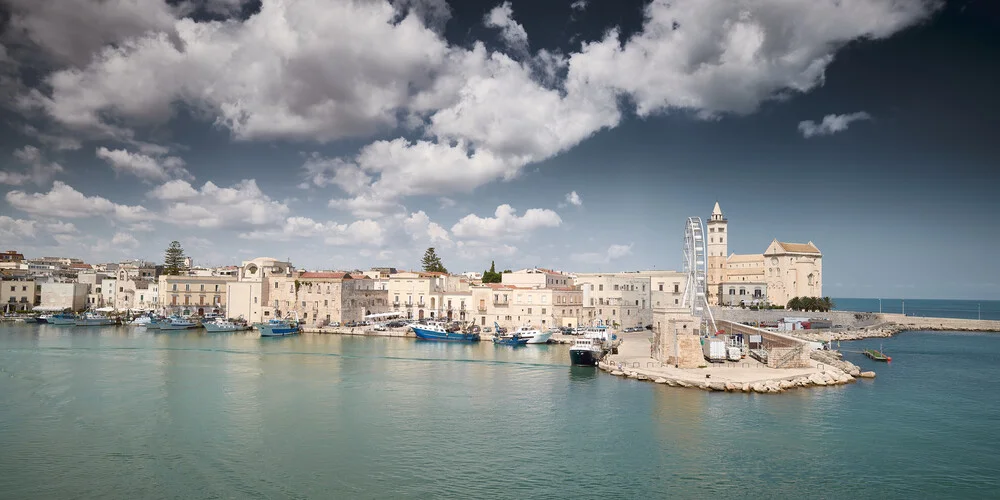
x: 510, y: 341
x: 62, y: 321
x: 95, y: 322
x: 584, y: 357
x: 540, y: 338
x: 444, y: 336
x: 213, y: 328
x: 280, y: 331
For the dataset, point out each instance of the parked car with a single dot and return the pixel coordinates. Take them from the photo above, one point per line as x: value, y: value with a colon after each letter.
x: 380, y: 328
x: 335, y: 324
x: 488, y: 330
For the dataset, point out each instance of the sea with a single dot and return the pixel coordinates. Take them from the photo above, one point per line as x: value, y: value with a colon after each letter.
x: 118, y: 412
x: 935, y: 308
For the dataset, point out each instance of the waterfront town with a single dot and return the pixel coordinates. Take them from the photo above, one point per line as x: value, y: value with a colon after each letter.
x: 666, y: 321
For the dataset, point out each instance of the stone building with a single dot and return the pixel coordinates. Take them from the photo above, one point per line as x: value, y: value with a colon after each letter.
x: 513, y: 306
x: 418, y: 295
x: 193, y: 295
x: 616, y: 298
x: 18, y: 295
x: 249, y: 296
x: 323, y: 298
x: 59, y: 296
x: 786, y: 270
x: 537, y: 277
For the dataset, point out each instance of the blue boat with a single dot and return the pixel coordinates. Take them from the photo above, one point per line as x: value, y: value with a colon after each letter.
x: 511, y: 340
x: 63, y: 319
x: 278, y: 328
x: 437, y: 331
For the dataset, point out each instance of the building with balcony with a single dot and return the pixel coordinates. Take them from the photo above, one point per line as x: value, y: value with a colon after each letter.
x: 418, y: 295
x: 193, y: 295
x: 18, y: 295
x: 323, y: 298
x: 513, y: 306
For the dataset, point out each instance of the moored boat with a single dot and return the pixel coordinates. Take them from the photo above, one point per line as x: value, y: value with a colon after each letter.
x: 224, y: 325
x: 438, y: 331
x: 595, y: 343
x: 175, y: 323
x: 278, y: 328
x: 530, y: 335
x: 877, y: 355
x: 94, y: 319
x: 62, y: 319
x: 513, y: 340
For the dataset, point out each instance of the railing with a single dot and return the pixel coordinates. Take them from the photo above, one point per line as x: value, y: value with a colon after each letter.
x: 793, y: 354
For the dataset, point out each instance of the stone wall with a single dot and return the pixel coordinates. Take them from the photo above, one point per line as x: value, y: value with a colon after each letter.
x: 845, y: 318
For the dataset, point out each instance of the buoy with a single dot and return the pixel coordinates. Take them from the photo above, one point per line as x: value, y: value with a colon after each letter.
x: 888, y: 358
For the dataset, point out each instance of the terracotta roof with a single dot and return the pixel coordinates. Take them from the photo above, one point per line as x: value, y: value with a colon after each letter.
x: 318, y: 275
x: 80, y: 266
x: 799, y: 247
x: 425, y: 274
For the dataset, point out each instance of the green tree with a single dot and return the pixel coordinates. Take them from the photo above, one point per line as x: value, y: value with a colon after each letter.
x: 432, y: 263
x: 173, y: 260
x: 505, y: 271
x: 492, y: 276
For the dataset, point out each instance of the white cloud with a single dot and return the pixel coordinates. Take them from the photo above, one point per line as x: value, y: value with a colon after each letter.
x: 574, y: 199
x: 16, y: 229
x: 578, y: 5
x: 65, y: 202
x: 309, y: 69
x: 478, y: 250
x: 420, y: 227
x: 446, y: 202
x: 39, y: 172
x: 323, y: 172
x: 505, y: 224
x: 726, y: 56
x: 71, y: 31
x: 362, y: 232
x: 124, y: 241
x: 143, y: 166
x: 831, y: 124
x: 211, y: 206
x: 512, y: 33
x: 614, y: 252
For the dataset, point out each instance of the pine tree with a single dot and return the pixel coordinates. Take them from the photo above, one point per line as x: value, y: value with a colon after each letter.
x: 492, y: 276
x: 432, y: 263
x: 173, y: 260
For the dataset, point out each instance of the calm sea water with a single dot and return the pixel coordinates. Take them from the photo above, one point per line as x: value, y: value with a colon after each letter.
x: 967, y: 309
x: 119, y: 413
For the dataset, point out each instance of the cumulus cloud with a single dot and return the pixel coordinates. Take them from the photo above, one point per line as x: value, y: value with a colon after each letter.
x: 512, y: 33
x: 212, y: 206
x: 143, y: 166
x: 505, y: 224
x: 39, y: 171
x: 294, y: 70
x: 614, y: 252
x: 574, y: 199
x: 124, y: 241
x: 831, y: 124
x: 420, y: 227
x: 63, y: 201
x: 362, y: 232
x: 578, y: 5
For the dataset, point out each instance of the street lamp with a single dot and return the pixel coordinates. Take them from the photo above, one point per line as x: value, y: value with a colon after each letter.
x: 880, y: 306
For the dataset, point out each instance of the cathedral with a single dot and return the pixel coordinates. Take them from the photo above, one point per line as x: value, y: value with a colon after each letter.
x: 783, y: 271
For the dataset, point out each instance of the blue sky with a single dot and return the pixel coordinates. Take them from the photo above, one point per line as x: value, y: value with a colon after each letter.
x: 354, y: 134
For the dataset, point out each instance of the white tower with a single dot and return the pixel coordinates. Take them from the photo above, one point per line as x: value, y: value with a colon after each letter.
x: 718, y: 237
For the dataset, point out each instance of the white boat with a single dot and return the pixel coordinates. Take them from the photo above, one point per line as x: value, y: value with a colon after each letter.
x: 533, y: 335
x: 278, y: 328
x: 94, y: 319
x: 144, y: 320
x: 224, y: 325
x: 176, y: 324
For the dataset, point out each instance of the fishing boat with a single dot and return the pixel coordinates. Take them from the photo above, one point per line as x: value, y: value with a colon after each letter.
x: 224, y: 325
x: 44, y: 318
x: 530, y: 335
x: 144, y: 320
x: 62, y: 319
x: 877, y: 355
x: 176, y: 323
x: 94, y: 319
x: 513, y: 340
x: 438, y: 331
x: 278, y: 328
x: 594, y: 344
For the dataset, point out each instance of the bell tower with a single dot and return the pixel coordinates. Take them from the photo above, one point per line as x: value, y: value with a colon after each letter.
x: 718, y: 237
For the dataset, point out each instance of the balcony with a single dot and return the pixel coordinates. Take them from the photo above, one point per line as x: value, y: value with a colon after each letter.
x: 481, y: 309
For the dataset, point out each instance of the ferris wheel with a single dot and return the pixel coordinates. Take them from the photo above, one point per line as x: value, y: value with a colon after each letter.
x: 695, y: 292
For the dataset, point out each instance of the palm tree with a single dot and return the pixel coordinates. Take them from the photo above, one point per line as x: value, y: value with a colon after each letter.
x: 795, y: 304
x: 828, y: 304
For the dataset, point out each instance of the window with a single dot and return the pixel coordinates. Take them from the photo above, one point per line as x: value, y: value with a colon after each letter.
x: 661, y: 287
x: 275, y: 285
x: 677, y: 288
x: 732, y: 291
x: 121, y: 289
x: 529, y: 310
x: 722, y: 229
x: 187, y: 287
x: 676, y: 302
x: 24, y: 289
x: 255, y: 300
x: 303, y: 303
x: 616, y: 288
x: 202, y: 288
x: 175, y: 287
x: 216, y: 288
x: 13, y: 288
x: 600, y: 288
x: 326, y: 303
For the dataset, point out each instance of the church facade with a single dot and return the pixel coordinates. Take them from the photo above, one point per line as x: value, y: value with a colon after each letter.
x: 783, y: 271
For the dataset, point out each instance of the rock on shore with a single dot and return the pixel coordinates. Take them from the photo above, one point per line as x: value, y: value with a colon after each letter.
x: 836, y: 374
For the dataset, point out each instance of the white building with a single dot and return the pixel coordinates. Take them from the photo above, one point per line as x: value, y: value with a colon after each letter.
x: 58, y: 296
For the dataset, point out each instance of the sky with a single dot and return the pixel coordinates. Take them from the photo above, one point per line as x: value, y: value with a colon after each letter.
x: 575, y: 135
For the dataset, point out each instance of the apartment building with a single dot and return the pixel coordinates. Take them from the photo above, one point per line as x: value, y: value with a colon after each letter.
x: 18, y: 295
x: 193, y: 294
x: 322, y: 298
x: 513, y: 306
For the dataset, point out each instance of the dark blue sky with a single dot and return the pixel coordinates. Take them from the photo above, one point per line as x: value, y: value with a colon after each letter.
x: 651, y: 129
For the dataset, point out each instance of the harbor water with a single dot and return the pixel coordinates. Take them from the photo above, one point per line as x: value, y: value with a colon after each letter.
x: 114, y: 412
x: 930, y: 308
